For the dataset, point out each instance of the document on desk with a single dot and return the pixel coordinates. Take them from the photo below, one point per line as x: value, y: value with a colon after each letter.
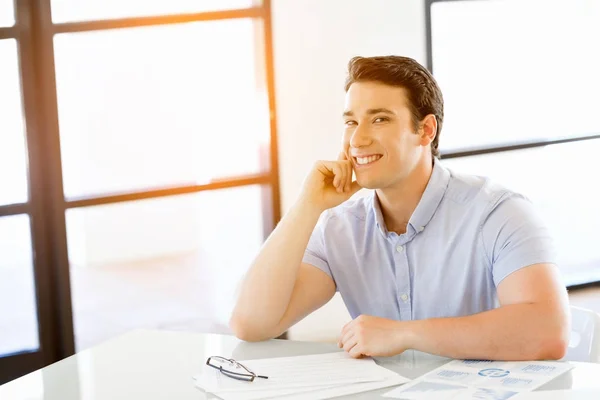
x: 481, y: 379
x: 290, y: 376
x: 313, y: 393
x: 567, y: 394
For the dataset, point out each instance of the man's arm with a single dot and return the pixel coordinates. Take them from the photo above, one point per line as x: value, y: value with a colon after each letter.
x: 533, y: 323
x: 279, y: 290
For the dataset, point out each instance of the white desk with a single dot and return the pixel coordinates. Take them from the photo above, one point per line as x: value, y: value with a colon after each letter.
x: 153, y: 365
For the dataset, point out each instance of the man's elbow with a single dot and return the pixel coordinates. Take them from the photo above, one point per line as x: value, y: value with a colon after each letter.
x: 554, y: 346
x: 247, y: 331
x: 553, y: 334
x: 553, y: 349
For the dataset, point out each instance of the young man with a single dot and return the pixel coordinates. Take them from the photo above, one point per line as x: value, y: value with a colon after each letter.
x: 431, y: 260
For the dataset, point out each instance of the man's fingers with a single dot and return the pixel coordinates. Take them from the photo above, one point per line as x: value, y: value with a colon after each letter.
x: 342, y: 180
x: 337, y: 175
x: 346, y: 167
x: 350, y: 343
x: 345, y: 182
x: 354, y: 187
x: 343, y: 157
x: 344, y: 339
x: 346, y: 327
x: 355, y: 352
x: 349, y: 177
x: 341, y: 172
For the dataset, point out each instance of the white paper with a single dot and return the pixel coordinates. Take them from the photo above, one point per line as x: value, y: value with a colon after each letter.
x: 472, y: 379
x: 326, y: 392
x: 571, y: 394
x: 349, y: 389
x: 427, y: 390
x: 266, y: 394
x: 301, y: 372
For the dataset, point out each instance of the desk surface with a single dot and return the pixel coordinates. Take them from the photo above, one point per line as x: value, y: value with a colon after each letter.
x: 160, y: 364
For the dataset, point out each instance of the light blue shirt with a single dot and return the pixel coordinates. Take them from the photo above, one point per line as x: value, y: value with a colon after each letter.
x: 466, y: 235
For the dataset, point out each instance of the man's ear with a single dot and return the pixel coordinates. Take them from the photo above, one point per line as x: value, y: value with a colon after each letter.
x: 428, y: 130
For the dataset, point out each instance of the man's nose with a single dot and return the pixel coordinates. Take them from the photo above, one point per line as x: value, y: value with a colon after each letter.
x: 360, y: 137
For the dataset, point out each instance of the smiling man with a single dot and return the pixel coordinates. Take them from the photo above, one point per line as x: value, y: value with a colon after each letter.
x: 432, y: 260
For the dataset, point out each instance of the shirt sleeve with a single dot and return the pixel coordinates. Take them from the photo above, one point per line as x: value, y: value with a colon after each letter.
x: 315, y: 253
x: 515, y: 236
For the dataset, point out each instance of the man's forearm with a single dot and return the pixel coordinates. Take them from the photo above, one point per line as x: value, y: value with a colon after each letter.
x: 512, y: 332
x: 268, y: 285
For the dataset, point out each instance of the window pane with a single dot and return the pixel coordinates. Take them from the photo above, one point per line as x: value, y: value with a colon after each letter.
x: 159, y: 263
x: 561, y: 180
x: 18, y: 315
x: 85, y: 10
x: 7, y: 13
x: 13, y: 164
x: 160, y: 106
x: 516, y: 70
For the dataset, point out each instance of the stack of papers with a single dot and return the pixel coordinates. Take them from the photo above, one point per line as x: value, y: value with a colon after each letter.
x: 321, y: 376
x: 480, y: 379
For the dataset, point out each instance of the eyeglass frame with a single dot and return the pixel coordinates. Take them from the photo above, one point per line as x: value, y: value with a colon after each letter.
x: 249, y: 377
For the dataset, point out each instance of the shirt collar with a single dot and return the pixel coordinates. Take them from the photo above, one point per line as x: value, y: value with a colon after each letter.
x: 430, y: 200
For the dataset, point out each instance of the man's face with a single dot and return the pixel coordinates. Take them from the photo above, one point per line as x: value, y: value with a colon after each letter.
x: 379, y: 135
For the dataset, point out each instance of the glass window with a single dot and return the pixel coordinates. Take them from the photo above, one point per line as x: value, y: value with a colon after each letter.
x: 7, y: 13
x: 18, y: 311
x: 172, y: 261
x: 161, y: 106
x: 85, y: 10
x: 515, y: 71
x: 13, y: 159
x: 562, y: 181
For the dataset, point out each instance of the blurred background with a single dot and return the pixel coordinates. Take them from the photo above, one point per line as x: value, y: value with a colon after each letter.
x: 147, y: 148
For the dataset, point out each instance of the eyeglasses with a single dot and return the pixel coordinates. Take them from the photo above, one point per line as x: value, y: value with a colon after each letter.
x: 233, y: 369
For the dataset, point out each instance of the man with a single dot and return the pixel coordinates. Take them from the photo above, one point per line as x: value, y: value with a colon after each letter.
x: 432, y: 260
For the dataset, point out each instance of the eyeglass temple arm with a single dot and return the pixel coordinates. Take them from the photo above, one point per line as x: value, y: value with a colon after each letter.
x: 232, y: 360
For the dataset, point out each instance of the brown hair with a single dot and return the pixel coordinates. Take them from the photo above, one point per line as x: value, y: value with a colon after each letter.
x: 424, y: 94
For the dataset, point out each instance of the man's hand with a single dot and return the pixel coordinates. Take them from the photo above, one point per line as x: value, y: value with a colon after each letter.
x: 373, y: 337
x: 329, y: 184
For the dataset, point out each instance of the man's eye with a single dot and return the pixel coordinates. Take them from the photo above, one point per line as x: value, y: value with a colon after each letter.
x: 349, y: 123
x: 381, y: 119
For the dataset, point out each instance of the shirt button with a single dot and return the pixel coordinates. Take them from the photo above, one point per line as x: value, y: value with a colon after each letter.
x: 399, y: 249
x: 404, y: 297
x: 421, y: 228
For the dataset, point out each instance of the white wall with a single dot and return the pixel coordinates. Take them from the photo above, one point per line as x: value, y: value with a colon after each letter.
x: 313, y: 41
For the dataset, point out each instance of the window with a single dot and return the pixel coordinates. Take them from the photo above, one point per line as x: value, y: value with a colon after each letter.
x: 18, y: 311
x: 516, y: 71
x: 7, y: 13
x: 176, y: 110
x: 13, y: 163
x: 160, y: 262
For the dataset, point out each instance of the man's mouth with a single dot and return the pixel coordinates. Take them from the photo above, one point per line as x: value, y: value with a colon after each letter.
x: 366, y: 160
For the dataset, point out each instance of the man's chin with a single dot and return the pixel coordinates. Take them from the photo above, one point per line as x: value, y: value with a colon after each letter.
x: 369, y: 184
